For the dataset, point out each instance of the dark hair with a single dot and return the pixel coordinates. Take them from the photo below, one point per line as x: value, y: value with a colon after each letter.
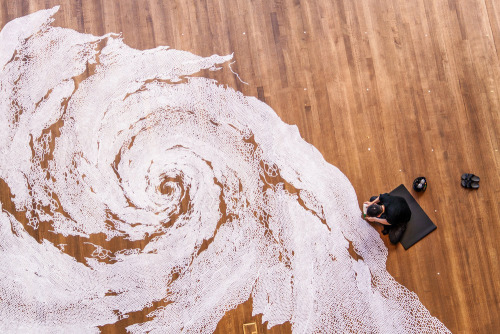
x: 374, y: 210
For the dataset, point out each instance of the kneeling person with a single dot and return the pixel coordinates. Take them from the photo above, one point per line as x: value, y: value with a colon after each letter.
x: 391, y: 211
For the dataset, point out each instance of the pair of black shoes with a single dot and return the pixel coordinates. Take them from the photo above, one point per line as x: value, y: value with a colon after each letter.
x: 470, y: 181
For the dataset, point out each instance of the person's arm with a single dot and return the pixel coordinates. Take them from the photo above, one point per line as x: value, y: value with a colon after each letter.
x: 375, y: 201
x: 378, y: 220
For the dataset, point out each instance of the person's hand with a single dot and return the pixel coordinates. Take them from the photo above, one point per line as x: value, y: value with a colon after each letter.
x: 371, y: 219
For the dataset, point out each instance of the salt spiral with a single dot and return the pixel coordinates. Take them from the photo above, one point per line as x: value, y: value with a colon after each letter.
x: 182, y: 196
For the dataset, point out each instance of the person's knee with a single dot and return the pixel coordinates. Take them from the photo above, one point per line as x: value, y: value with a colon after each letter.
x: 373, y: 198
x: 396, y: 233
x: 393, y: 238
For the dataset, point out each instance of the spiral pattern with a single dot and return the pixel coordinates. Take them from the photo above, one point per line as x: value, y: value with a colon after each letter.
x: 174, y: 195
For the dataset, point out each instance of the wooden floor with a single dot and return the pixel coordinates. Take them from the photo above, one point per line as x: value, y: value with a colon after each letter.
x: 387, y: 90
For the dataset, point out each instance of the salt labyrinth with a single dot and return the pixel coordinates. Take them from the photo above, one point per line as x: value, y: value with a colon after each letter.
x: 134, y: 186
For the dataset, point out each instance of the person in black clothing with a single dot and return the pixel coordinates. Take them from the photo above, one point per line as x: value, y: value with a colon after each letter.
x: 391, y: 211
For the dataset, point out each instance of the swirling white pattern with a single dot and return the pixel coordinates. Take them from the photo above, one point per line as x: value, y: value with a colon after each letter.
x: 212, y: 196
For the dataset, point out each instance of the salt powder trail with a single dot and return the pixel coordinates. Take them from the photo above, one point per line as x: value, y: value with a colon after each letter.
x: 137, y: 151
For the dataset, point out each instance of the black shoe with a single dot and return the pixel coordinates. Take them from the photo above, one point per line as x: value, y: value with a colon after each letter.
x: 386, y: 230
x: 397, y: 232
x: 470, y: 184
x: 470, y: 177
